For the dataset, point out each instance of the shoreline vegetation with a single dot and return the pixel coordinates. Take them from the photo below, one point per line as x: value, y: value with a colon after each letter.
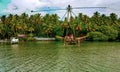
x: 98, y: 27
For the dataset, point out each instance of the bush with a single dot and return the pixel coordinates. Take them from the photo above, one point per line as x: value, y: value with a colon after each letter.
x: 109, y: 31
x: 30, y: 37
x: 97, y: 36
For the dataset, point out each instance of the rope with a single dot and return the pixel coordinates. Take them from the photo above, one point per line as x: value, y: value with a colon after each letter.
x: 64, y: 16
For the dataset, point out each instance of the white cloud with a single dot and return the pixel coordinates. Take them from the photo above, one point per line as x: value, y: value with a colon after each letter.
x: 20, y: 6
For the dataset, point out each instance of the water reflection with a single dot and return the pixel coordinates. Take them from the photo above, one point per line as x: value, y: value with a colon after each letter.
x: 14, y: 46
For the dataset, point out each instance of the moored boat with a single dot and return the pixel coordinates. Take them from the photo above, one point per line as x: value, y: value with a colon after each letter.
x: 14, y: 40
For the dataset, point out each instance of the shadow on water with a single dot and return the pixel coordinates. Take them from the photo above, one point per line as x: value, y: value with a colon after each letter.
x: 55, y: 57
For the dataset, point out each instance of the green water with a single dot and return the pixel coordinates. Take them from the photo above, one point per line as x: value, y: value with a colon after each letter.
x: 55, y: 57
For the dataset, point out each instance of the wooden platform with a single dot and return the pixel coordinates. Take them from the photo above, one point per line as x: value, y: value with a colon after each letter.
x: 74, y: 41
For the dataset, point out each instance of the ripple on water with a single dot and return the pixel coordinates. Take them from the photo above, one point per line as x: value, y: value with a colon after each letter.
x: 55, y: 57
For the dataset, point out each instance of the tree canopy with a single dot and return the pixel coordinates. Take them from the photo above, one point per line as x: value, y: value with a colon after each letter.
x: 98, y: 27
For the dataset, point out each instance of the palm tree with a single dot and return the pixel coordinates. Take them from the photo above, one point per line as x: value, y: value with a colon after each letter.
x: 3, y: 19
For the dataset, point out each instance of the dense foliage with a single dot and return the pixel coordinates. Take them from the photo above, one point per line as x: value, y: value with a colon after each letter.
x: 98, y: 27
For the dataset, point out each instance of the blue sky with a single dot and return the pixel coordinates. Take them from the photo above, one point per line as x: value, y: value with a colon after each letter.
x: 20, y: 6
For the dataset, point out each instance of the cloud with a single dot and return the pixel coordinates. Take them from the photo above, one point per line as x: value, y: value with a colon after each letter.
x: 20, y: 6
x: 112, y: 6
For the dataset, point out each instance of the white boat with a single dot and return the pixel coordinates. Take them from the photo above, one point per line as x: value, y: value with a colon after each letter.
x: 14, y: 40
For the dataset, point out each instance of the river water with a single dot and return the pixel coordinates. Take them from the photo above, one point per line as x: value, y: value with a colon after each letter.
x: 55, y: 57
